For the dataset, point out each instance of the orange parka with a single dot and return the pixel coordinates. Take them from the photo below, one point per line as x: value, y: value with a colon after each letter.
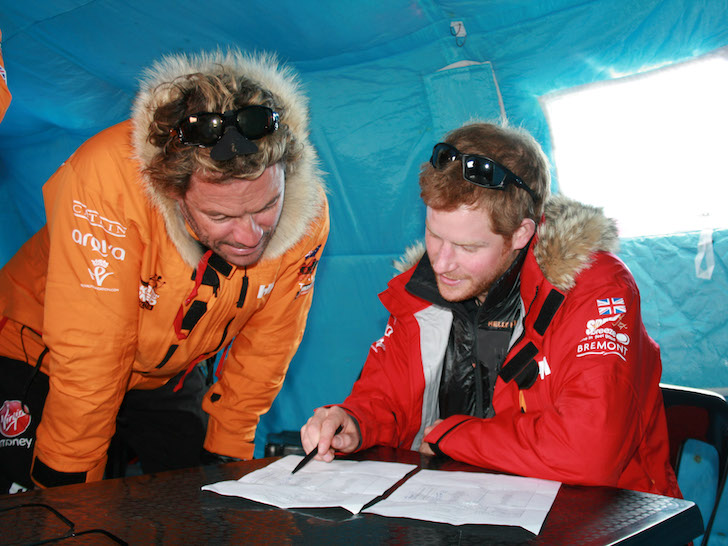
x: 126, y: 298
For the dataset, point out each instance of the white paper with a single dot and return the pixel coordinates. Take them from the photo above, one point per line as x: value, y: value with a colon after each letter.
x: 467, y: 497
x: 349, y: 484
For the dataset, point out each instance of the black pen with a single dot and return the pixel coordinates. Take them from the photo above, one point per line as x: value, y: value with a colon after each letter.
x: 311, y: 454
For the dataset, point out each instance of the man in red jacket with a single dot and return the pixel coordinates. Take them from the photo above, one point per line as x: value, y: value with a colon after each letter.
x: 515, y: 343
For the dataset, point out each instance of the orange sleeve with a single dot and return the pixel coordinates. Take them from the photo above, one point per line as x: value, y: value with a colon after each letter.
x: 90, y: 315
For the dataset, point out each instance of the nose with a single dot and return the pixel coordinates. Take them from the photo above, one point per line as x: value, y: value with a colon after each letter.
x: 442, y: 258
x: 247, y: 232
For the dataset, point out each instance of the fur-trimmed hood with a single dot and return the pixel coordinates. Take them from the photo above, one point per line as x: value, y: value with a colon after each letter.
x: 304, y: 192
x: 569, y: 235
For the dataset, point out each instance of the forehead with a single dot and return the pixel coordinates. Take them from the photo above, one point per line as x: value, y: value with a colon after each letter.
x: 235, y: 194
x: 463, y: 224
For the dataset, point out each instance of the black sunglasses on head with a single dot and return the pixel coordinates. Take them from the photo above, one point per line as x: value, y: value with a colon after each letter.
x: 204, y: 129
x: 477, y: 169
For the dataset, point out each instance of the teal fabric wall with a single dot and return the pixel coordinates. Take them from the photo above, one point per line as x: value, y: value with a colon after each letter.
x: 379, y: 101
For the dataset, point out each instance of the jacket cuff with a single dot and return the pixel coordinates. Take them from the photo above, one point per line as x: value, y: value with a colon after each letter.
x: 220, y: 442
x: 436, y: 437
x: 45, y: 476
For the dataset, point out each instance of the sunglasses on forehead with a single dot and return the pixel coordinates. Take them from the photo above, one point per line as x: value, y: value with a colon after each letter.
x: 205, y: 129
x: 477, y: 169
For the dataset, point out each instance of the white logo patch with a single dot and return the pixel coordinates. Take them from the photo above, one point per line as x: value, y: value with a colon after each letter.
x: 265, y: 290
x: 99, y: 275
x: 379, y: 344
x: 95, y: 219
x: 102, y: 247
x: 543, y: 368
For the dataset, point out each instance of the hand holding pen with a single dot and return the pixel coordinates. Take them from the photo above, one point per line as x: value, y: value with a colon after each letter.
x: 329, y: 430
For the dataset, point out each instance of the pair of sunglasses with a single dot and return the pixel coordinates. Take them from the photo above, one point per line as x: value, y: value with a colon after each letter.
x: 477, y: 169
x: 205, y: 129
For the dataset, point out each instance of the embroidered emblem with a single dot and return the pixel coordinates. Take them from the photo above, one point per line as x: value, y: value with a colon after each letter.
x: 309, y: 264
x: 611, y: 306
x: 147, y: 292
x: 307, y: 272
x: 604, y: 338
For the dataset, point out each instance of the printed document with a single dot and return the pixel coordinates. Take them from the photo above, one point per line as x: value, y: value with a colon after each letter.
x: 349, y: 484
x: 456, y: 498
x: 470, y: 497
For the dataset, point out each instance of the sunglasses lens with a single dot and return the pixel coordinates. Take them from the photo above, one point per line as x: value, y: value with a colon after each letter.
x: 256, y: 121
x: 478, y: 170
x: 202, y: 129
x: 442, y: 154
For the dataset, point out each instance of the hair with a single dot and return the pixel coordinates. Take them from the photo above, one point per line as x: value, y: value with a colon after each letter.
x: 513, y: 148
x: 218, y: 90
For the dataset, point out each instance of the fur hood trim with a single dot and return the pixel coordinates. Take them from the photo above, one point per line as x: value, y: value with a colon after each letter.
x: 567, y: 239
x: 304, y: 194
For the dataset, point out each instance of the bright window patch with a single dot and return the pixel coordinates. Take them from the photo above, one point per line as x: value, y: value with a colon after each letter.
x: 651, y: 149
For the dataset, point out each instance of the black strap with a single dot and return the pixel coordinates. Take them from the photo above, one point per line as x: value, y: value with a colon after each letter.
x: 32, y: 377
x: 243, y: 290
x: 522, y: 367
x: 170, y: 352
x: 548, y: 310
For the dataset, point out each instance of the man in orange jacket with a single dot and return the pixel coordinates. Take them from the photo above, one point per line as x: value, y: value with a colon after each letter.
x: 190, y: 230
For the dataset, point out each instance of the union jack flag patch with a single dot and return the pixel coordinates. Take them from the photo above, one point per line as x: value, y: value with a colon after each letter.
x: 611, y: 306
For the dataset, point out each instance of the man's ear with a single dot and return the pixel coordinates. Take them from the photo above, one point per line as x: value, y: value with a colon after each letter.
x: 523, y: 234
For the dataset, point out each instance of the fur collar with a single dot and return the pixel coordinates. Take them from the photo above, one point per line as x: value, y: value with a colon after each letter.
x: 566, y: 241
x: 304, y: 185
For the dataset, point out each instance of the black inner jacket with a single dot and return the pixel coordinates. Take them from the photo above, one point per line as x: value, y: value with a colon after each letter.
x: 479, y: 338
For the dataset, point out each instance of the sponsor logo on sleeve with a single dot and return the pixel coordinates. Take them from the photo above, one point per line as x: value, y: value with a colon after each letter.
x: 380, y: 343
x: 99, y: 274
x: 87, y: 240
x: 95, y: 219
x: 604, y: 336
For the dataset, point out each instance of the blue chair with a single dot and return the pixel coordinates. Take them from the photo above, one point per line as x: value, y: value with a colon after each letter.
x: 697, y: 422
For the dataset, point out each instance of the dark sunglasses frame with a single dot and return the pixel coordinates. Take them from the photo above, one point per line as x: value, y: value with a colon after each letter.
x: 205, y: 129
x: 477, y: 169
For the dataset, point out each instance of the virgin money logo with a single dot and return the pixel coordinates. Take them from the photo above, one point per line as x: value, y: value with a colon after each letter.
x: 13, y: 420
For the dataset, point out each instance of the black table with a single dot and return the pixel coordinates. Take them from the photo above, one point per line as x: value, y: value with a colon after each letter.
x: 170, y: 508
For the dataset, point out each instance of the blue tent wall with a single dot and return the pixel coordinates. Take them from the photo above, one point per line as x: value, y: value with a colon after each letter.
x: 379, y: 101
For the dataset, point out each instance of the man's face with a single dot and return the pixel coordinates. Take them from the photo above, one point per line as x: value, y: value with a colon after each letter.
x: 466, y: 255
x: 235, y: 218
